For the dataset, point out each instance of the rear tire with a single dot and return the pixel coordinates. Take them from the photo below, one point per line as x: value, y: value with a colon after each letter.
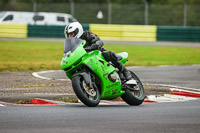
x: 134, y: 97
x: 83, y: 93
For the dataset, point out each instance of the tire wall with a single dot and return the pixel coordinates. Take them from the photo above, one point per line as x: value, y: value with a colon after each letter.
x: 148, y: 33
x: 179, y: 34
x: 13, y: 30
x: 49, y: 31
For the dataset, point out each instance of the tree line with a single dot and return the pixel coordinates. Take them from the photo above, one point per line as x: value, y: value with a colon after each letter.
x: 161, y: 12
x: 104, y: 1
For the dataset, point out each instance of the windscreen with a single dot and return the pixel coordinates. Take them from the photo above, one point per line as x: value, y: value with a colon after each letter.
x: 71, y: 43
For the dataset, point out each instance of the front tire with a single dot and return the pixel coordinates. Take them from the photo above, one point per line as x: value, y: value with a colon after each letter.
x: 88, y: 96
x: 134, y: 97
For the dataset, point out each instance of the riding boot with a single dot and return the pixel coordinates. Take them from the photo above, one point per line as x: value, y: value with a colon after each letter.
x: 126, y: 73
x: 111, y: 56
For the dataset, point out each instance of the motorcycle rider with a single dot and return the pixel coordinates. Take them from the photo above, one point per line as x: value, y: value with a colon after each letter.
x: 93, y: 42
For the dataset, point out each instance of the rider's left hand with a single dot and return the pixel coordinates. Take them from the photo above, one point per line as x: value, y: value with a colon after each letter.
x: 95, y: 47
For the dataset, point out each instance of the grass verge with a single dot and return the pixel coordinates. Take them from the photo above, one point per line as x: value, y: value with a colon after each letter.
x: 36, y: 56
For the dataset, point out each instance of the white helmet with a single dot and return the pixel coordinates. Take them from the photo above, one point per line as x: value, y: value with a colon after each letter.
x: 75, y: 27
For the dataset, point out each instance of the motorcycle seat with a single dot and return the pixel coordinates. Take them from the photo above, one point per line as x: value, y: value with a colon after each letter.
x: 121, y: 55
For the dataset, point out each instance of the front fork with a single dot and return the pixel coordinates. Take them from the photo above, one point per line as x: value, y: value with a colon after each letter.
x: 87, y: 78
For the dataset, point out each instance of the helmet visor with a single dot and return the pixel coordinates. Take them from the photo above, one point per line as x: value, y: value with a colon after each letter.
x: 71, y: 34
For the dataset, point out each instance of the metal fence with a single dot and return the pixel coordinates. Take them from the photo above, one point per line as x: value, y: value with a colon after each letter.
x: 111, y: 12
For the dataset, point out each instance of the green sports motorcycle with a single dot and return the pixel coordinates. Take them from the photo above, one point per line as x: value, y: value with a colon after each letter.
x: 94, y: 79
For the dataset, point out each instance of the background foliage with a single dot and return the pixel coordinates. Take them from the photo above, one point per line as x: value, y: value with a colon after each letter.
x: 161, y: 12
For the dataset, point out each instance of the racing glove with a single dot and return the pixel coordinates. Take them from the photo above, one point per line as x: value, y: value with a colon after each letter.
x: 95, y: 46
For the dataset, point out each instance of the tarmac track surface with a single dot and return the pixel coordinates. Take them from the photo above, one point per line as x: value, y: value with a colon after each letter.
x: 176, y: 117
x: 182, y: 76
x: 173, y: 76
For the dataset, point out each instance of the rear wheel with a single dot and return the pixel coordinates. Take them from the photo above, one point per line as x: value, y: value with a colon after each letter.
x: 89, y: 96
x: 134, y: 96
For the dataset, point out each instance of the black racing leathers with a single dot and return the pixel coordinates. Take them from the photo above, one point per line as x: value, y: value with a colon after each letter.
x: 93, y: 42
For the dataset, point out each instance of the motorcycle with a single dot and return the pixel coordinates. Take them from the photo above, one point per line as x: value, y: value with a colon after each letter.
x: 94, y: 79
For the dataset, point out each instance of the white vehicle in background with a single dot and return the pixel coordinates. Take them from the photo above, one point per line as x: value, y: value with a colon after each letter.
x: 39, y: 18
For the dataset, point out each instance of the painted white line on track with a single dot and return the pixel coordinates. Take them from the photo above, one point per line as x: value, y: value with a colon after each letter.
x: 175, y: 97
x: 169, y: 98
x: 1, y: 105
x: 37, y: 75
x: 174, y: 86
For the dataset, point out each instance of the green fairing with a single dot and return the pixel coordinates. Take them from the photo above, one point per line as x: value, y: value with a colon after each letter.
x: 79, y: 59
x: 123, y: 60
x: 99, y: 66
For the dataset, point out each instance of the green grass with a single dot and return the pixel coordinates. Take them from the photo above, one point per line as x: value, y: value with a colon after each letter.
x: 158, y: 55
x: 27, y: 55
x: 36, y: 56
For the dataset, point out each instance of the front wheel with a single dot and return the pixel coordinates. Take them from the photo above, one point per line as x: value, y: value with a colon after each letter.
x: 89, y: 96
x: 134, y: 97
